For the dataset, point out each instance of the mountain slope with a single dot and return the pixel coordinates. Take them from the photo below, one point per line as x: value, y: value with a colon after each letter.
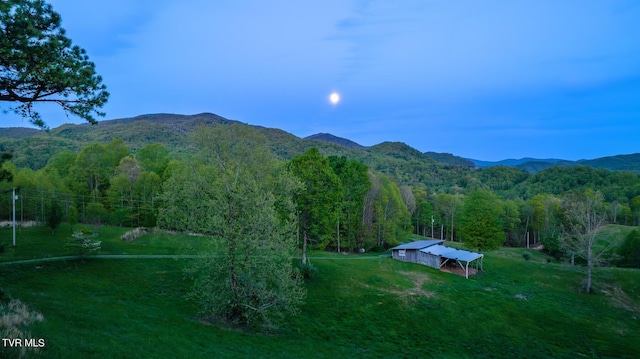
x: 533, y: 165
x: 514, y: 162
x: 327, y: 137
x: 616, y: 163
x: 406, y: 165
x: 448, y: 158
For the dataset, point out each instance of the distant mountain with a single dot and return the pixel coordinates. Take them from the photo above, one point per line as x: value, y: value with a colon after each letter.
x: 448, y: 158
x: 327, y: 137
x: 18, y: 132
x: 401, y: 151
x: 32, y: 148
x: 399, y: 161
x: 616, y: 163
x: 513, y: 162
x: 537, y: 166
x: 533, y: 165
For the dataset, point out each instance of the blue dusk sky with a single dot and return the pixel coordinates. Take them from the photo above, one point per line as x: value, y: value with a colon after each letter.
x: 480, y: 79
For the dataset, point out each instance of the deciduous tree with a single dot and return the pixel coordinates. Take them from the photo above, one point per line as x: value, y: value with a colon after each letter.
x: 585, y: 215
x: 629, y: 250
x: 481, y: 224
x: 355, y: 184
x: 318, y: 198
x: 236, y: 192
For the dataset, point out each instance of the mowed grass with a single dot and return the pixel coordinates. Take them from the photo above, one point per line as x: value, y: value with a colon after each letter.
x: 357, y: 306
x: 39, y: 242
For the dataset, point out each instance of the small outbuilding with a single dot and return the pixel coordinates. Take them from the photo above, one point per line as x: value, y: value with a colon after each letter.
x: 433, y: 254
x: 438, y: 256
x: 408, y: 252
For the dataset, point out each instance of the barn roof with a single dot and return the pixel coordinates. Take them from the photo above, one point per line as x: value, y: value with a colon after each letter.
x: 452, y: 253
x: 419, y: 244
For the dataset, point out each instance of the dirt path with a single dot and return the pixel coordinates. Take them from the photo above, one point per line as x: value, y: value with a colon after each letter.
x: 150, y: 256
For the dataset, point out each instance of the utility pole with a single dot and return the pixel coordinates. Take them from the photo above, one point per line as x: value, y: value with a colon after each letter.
x: 432, y: 220
x: 14, y: 197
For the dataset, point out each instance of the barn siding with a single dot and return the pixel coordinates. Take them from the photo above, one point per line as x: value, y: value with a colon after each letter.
x: 410, y: 255
x: 429, y: 260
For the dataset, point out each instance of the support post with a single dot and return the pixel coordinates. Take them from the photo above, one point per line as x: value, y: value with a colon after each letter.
x: 14, y: 197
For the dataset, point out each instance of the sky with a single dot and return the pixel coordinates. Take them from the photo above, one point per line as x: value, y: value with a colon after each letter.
x: 487, y: 79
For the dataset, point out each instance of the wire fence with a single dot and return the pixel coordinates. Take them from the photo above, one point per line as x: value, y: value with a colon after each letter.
x: 35, y: 206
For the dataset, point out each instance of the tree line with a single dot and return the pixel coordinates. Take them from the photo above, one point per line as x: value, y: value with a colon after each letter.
x: 346, y: 206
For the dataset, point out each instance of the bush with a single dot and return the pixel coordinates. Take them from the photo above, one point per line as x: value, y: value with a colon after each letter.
x: 308, y: 271
x: 629, y: 251
x: 15, y: 317
x: 135, y: 233
x: 84, y: 243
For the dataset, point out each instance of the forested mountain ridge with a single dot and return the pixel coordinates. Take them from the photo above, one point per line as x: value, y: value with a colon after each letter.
x: 327, y: 137
x: 629, y: 162
x: 404, y: 164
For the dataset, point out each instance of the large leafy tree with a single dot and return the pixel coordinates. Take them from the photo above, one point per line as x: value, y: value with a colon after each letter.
x: 318, y: 198
x: 39, y: 64
x: 449, y: 206
x: 236, y: 192
x: 481, y: 224
x: 355, y: 185
x: 154, y: 158
x: 386, y: 218
x: 546, y: 221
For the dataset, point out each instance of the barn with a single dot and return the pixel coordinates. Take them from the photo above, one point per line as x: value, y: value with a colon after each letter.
x: 433, y: 254
x: 408, y: 252
x: 437, y: 256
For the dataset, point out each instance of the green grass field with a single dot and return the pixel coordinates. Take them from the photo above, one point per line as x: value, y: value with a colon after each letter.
x: 357, y: 306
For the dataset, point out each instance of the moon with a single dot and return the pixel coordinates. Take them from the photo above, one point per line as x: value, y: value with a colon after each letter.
x: 334, y: 98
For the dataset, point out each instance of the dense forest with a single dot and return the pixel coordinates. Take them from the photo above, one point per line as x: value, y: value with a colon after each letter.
x: 354, y: 197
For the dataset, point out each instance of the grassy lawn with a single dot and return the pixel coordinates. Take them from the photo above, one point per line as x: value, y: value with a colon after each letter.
x: 38, y: 242
x: 357, y: 306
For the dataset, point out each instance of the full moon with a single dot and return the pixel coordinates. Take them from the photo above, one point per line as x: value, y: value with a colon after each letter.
x: 334, y: 98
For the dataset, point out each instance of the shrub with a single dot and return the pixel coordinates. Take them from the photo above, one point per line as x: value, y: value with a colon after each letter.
x: 84, y: 243
x: 308, y: 271
x: 629, y: 251
x: 135, y: 233
x: 15, y: 317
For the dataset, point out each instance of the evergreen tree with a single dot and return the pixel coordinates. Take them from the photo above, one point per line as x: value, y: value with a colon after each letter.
x: 38, y: 63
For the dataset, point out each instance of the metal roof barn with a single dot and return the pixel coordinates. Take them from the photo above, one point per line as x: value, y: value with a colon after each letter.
x: 408, y: 252
x: 441, y: 255
x: 433, y: 254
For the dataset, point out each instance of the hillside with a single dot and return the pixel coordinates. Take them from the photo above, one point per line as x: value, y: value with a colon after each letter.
x: 17, y: 132
x: 327, y: 137
x: 616, y: 163
x: 532, y: 165
x: 448, y: 158
x: 361, y: 304
x: 405, y: 165
x: 514, y: 162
